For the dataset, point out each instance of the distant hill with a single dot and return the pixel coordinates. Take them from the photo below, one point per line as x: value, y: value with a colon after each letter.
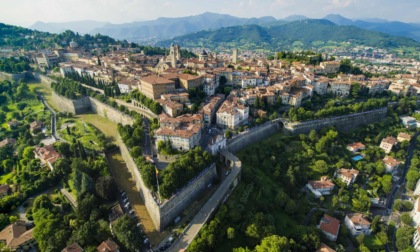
x: 295, y: 18
x: 390, y: 27
x: 81, y: 27
x: 298, y: 34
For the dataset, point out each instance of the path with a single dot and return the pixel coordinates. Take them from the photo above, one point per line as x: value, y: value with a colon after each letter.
x: 206, y: 211
x: 69, y: 196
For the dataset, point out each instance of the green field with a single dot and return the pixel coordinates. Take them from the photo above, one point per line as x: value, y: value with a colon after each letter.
x: 81, y: 131
x: 33, y: 106
x: 5, y: 177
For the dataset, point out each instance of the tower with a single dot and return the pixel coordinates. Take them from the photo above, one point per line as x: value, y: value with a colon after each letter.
x: 235, y: 56
x: 177, y: 52
x: 203, y: 56
x: 172, y: 55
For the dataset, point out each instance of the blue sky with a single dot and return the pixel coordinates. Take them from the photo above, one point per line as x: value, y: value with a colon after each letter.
x: 26, y: 12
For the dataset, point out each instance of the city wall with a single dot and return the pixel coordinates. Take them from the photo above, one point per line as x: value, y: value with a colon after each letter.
x: 15, y: 77
x: 79, y: 106
x: 164, y: 215
x: 341, y: 123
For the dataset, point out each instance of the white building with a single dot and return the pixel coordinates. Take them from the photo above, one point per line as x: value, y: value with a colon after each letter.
x: 320, y: 187
x: 357, y: 224
x: 232, y: 114
x: 387, y: 144
x: 416, y: 239
x: 415, y: 214
x: 348, y: 176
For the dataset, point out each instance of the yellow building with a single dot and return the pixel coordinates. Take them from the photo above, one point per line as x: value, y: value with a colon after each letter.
x: 154, y: 86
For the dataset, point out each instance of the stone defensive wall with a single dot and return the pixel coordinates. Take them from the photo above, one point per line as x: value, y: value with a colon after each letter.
x: 15, y: 77
x: 341, y: 123
x: 79, y: 106
x: 252, y: 136
x: 165, y: 214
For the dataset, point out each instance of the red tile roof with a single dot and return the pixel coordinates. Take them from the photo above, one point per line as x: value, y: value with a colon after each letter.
x: 330, y: 225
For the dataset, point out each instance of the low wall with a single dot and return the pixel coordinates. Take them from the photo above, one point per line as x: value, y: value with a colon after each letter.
x: 164, y: 215
x: 252, y: 136
x: 79, y: 106
x: 341, y: 123
x: 109, y: 112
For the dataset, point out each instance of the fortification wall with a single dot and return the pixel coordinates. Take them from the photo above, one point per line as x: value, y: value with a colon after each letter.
x: 173, y: 208
x: 252, y: 136
x: 341, y: 123
x: 79, y: 106
x: 165, y: 214
x: 14, y: 77
x: 109, y: 112
x: 151, y: 205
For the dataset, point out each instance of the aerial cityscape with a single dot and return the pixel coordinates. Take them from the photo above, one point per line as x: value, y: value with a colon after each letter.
x: 244, y: 126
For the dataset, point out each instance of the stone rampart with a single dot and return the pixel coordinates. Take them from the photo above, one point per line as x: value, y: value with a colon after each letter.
x: 79, y: 106
x: 252, y: 136
x: 164, y: 214
x: 14, y: 77
x: 109, y: 112
x: 341, y: 123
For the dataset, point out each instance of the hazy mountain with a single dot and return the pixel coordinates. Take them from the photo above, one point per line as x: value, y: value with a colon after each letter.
x: 390, y: 27
x: 295, y: 18
x: 164, y: 28
x: 81, y: 27
x: 304, y: 34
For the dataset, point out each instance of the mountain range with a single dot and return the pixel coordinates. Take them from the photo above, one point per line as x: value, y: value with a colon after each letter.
x: 167, y: 28
x: 301, y: 34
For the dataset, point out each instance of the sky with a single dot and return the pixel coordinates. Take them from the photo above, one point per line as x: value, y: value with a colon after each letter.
x: 27, y: 12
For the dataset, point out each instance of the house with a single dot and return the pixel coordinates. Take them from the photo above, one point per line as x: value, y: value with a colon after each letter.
x: 108, y: 246
x: 232, y: 114
x: 35, y: 126
x: 320, y: 187
x: 390, y: 163
x: 416, y: 239
x: 403, y: 137
x: 355, y: 147
x: 409, y: 122
x: 387, y: 144
x: 348, y: 176
x: 74, y: 247
x: 154, y: 86
x: 330, y: 227
x: 17, y: 237
x: 13, y: 124
x: 415, y: 213
x: 357, y: 224
x: 48, y: 155
x: 4, y: 190
x: 324, y: 248
x: 7, y: 141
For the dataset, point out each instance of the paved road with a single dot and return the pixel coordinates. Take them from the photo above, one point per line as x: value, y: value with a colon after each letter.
x: 205, y: 212
x: 53, y: 118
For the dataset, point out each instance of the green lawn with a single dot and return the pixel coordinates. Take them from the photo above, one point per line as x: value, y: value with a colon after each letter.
x: 72, y: 190
x: 5, y: 177
x: 373, y: 242
x: 33, y: 106
x: 84, y: 132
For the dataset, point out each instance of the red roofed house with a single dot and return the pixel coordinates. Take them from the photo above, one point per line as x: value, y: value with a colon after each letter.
x: 36, y: 125
x: 403, y: 137
x: 7, y: 141
x: 108, y: 246
x: 390, y: 163
x: 330, y: 227
x: 74, y: 247
x: 4, y: 190
x: 320, y: 187
x: 17, y: 238
x: 324, y: 248
x: 355, y: 147
x: 387, y: 144
x: 48, y: 155
x: 348, y: 176
x: 357, y: 224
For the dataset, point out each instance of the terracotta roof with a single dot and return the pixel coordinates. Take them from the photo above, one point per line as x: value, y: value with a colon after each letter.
x: 36, y: 124
x: 357, y: 145
x: 6, y: 141
x: 74, y: 247
x: 391, y: 161
x: 319, y: 184
x: 108, y: 246
x: 330, y: 225
x: 4, y: 188
x: 358, y: 219
x: 189, y: 77
x: 348, y: 172
x: 389, y: 140
x: 47, y: 153
x: 156, y: 80
x: 16, y: 234
x: 325, y: 248
x: 404, y: 136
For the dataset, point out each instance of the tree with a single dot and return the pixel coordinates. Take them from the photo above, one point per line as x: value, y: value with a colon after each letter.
x: 4, y: 221
x: 106, y: 188
x: 360, y: 238
x: 228, y: 134
x: 321, y: 166
x: 273, y: 243
x: 230, y: 233
x: 386, y: 183
x: 406, y: 219
x: 383, y: 237
x: 127, y: 233
x: 363, y: 248
x: 42, y: 202
x: 404, y: 236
